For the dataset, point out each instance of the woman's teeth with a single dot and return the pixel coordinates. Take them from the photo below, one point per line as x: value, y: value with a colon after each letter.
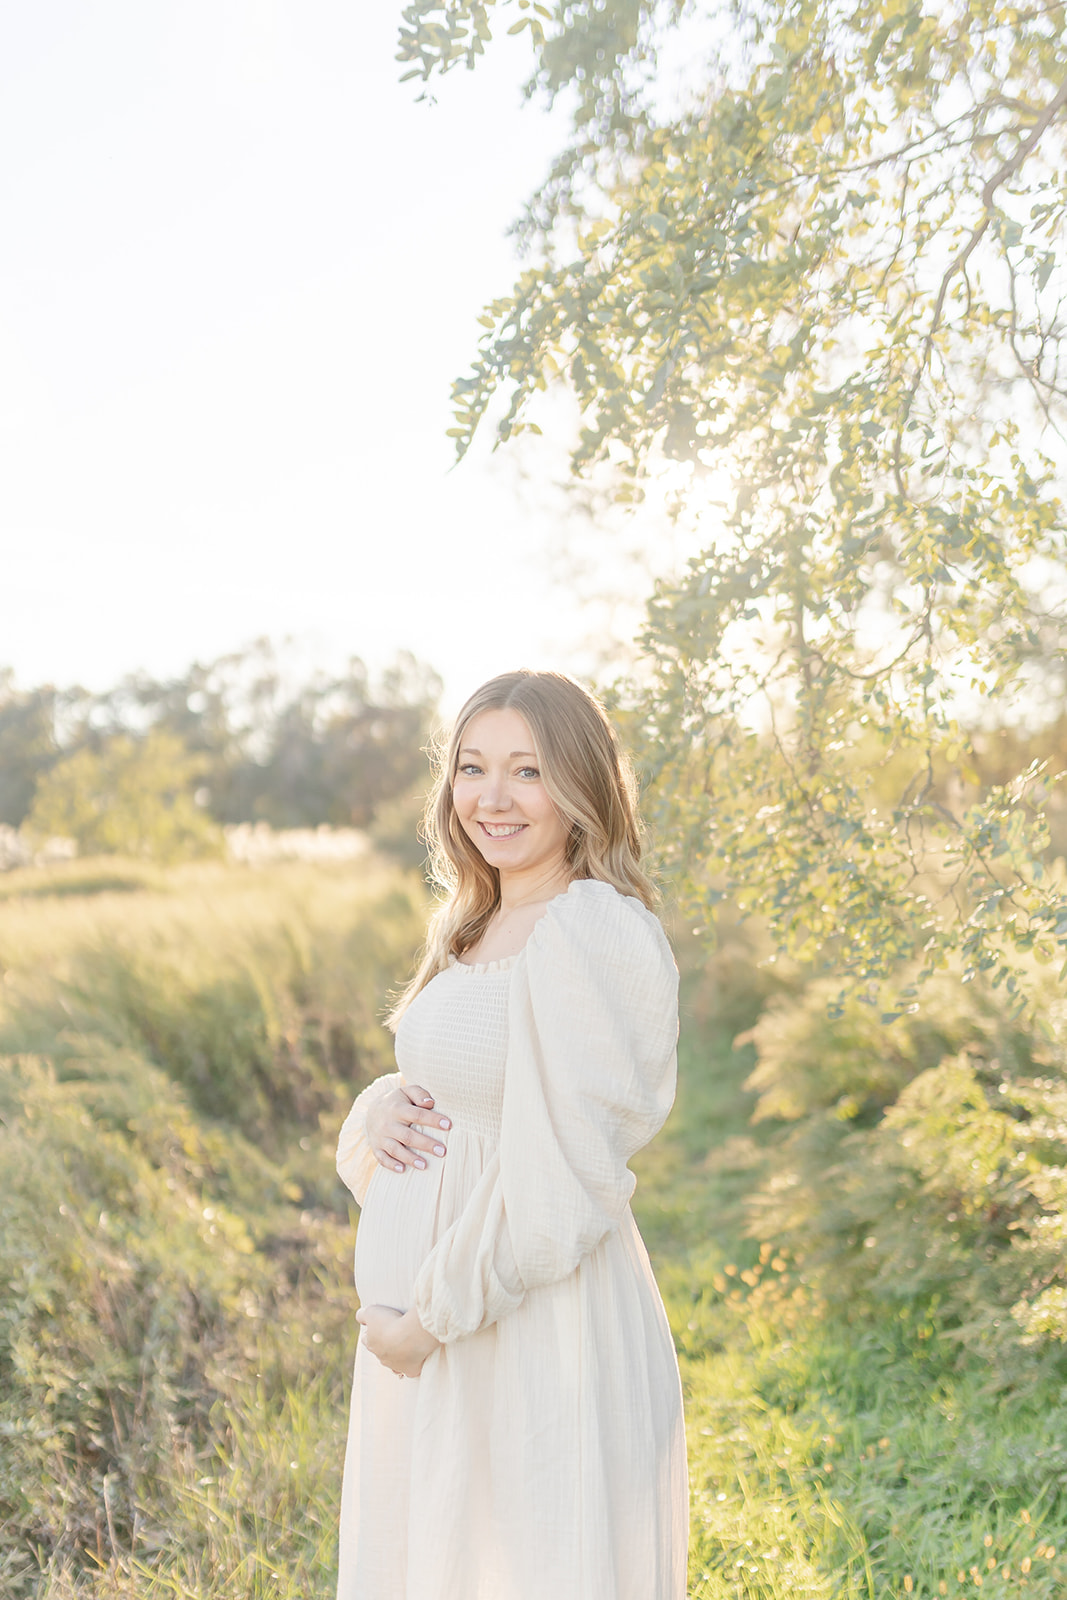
x: 501, y: 831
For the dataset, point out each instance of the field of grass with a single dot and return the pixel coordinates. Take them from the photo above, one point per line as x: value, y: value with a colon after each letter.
x: 177, y: 1050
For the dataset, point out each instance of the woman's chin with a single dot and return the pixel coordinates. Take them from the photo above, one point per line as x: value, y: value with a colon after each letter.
x: 509, y: 860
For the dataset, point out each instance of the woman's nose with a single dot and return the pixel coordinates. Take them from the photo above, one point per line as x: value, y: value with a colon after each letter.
x: 495, y: 794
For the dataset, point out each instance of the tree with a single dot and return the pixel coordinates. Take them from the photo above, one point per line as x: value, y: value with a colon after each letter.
x: 27, y: 745
x: 273, y: 741
x: 338, y: 748
x: 131, y: 797
x: 284, y: 745
x: 832, y: 276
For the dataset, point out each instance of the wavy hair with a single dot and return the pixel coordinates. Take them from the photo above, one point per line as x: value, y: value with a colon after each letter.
x: 589, y: 780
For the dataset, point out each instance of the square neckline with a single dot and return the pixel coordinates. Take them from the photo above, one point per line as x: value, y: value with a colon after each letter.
x: 505, y: 963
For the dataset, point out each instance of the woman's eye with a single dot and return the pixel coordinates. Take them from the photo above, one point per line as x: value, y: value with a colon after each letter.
x: 468, y: 770
x: 529, y: 772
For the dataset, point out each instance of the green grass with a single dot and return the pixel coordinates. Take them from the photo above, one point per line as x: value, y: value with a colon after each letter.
x: 832, y: 1454
x: 176, y: 1309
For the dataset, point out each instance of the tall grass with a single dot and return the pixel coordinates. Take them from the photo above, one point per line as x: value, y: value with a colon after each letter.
x: 176, y: 1311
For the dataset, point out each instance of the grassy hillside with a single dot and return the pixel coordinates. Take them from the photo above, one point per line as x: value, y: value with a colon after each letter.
x: 176, y: 1053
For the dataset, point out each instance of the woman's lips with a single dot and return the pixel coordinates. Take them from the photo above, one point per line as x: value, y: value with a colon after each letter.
x: 501, y: 830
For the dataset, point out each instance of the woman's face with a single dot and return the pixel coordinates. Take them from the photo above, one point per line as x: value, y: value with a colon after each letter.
x: 500, y: 800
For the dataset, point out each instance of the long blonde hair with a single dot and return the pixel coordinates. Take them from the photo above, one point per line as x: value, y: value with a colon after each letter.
x: 587, y: 777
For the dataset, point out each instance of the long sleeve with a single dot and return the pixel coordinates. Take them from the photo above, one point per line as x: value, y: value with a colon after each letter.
x: 589, y: 1079
x: 356, y: 1160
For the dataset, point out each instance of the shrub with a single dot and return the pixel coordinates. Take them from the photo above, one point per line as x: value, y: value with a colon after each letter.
x: 923, y: 1162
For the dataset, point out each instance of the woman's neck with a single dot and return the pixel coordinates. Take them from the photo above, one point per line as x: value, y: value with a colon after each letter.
x: 519, y: 889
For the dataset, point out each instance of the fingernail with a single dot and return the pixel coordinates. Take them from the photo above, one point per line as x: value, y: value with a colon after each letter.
x: 427, y: 1100
x: 438, y: 1149
x: 445, y: 1122
x: 421, y: 1164
x: 399, y: 1167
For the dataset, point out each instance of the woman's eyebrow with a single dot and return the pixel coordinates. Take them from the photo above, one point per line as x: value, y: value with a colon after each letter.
x: 467, y: 750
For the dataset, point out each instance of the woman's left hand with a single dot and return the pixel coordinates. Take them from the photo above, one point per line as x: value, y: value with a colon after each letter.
x: 397, y: 1338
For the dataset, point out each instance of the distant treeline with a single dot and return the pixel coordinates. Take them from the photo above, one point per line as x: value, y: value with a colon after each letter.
x: 265, y: 740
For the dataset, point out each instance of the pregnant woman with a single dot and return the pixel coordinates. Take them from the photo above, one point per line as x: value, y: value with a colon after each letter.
x: 539, y: 1453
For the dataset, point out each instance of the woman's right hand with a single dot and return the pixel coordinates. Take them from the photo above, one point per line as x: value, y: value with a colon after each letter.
x: 390, y: 1132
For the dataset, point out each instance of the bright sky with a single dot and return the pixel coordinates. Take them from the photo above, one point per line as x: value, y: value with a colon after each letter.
x: 241, y: 266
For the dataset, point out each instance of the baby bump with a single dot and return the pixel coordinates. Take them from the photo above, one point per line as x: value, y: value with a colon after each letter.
x: 404, y: 1214
x: 396, y: 1232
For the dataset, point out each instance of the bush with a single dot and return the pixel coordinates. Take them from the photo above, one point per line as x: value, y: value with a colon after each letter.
x: 923, y: 1162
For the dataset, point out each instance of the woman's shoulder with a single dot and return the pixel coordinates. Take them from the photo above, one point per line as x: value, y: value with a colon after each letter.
x: 602, y: 920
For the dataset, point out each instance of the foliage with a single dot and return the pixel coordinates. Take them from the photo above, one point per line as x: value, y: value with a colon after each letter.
x: 141, y: 1255
x: 923, y: 1165
x: 127, y: 798
x: 838, y: 1445
x: 803, y: 266
x: 176, y: 1327
x: 397, y: 828
x: 27, y: 745
x: 296, y: 751
x: 176, y: 1314
x: 821, y: 284
x: 273, y: 742
x: 852, y: 1066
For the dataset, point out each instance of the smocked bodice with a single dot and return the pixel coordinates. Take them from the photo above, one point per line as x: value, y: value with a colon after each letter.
x: 453, y: 1041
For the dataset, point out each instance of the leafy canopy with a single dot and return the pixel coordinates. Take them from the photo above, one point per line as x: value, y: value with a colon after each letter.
x: 132, y: 797
x: 828, y: 275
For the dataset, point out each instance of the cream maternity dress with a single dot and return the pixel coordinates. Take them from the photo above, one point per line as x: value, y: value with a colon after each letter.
x: 540, y: 1455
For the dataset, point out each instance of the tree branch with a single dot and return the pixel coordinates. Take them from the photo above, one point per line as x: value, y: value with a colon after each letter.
x: 1006, y: 170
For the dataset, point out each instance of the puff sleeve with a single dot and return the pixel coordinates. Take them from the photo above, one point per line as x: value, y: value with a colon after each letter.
x: 589, y: 1079
x: 356, y: 1160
